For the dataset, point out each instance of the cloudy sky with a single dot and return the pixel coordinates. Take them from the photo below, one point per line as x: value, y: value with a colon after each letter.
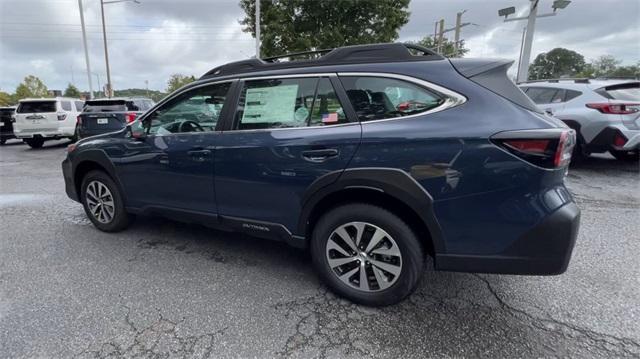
x: 153, y: 39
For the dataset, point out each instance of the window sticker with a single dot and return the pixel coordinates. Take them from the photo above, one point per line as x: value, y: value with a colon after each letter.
x: 330, y: 117
x: 270, y: 104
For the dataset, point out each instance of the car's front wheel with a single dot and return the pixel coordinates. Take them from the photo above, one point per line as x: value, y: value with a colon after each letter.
x: 367, y: 254
x: 103, y: 203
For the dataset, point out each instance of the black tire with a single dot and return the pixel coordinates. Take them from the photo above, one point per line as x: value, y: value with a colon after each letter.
x: 627, y: 156
x: 34, y: 142
x: 120, y: 219
x: 408, y: 244
x: 3, y: 141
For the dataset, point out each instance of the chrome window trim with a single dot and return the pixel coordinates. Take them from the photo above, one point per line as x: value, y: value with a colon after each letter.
x: 453, y: 98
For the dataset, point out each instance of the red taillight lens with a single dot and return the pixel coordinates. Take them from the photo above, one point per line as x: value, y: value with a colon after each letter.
x: 615, y: 108
x: 131, y: 116
x: 79, y: 120
x: 544, y: 148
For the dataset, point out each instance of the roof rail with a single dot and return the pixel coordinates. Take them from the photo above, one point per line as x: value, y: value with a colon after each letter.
x: 578, y: 80
x: 342, y: 55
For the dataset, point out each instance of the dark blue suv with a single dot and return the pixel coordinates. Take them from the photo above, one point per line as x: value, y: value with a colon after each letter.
x: 370, y: 156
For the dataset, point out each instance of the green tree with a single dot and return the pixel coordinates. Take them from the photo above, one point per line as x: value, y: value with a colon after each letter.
x: 31, y: 86
x: 632, y: 71
x: 604, y: 65
x: 448, y: 47
x: 177, y: 80
x: 302, y: 25
x: 5, y: 99
x: 72, y: 91
x: 556, y: 63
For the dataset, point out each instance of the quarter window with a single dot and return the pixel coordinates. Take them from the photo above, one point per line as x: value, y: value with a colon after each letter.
x: 541, y: 95
x: 197, y: 110
x: 79, y: 105
x: 375, y: 98
x: 288, y: 103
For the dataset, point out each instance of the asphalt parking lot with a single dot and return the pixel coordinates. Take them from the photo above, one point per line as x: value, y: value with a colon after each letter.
x: 166, y: 289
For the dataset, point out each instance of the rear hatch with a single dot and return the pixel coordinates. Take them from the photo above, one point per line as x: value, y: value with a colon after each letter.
x: 38, y: 115
x: 623, y: 100
x: 101, y: 116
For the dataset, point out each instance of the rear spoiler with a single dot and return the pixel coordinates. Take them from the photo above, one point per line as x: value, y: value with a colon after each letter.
x: 492, y: 75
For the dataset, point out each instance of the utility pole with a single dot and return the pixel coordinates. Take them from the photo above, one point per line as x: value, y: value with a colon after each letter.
x: 106, y: 52
x: 86, y: 50
x: 458, y: 27
x: 523, y: 67
x: 440, y: 35
x: 257, y: 29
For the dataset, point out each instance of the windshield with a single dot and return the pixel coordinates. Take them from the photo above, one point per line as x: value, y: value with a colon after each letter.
x: 37, y: 107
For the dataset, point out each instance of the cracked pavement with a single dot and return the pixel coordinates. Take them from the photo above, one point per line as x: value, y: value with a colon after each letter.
x: 163, y: 289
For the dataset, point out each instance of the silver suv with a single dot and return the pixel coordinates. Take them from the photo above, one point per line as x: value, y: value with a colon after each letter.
x: 604, y: 113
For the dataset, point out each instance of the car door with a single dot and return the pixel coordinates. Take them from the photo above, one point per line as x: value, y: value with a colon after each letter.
x: 286, y: 133
x: 171, y: 169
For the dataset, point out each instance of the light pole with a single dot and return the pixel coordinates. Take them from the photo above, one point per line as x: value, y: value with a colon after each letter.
x: 86, y: 50
x: 257, y: 29
x: 523, y: 68
x: 97, y: 78
x: 109, y: 90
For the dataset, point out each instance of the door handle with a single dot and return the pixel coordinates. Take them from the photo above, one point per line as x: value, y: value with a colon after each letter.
x: 199, y: 155
x: 320, y: 155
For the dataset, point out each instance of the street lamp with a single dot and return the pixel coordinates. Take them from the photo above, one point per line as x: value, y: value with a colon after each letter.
x: 104, y: 36
x: 97, y: 78
x: 523, y: 66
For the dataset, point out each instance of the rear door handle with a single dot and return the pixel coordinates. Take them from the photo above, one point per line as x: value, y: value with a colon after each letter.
x: 320, y: 155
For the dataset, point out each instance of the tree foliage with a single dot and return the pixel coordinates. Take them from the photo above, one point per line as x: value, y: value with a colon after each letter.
x: 5, y: 99
x: 31, y: 86
x: 177, y: 80
x: 303, y: 25
x: 72, y: 91
x: 448, y: 47
x: 556, y: 63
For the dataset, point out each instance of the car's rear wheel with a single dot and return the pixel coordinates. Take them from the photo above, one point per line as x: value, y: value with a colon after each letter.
x: 34, y: 142
x: 629, y: 156
x: 103, y: 203
x: 367, y: 254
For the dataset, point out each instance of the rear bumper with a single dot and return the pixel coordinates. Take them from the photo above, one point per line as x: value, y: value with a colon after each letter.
x: 543, y: 250
x: 30, y: 133
x: 605, y: 139
x: 69, y: 182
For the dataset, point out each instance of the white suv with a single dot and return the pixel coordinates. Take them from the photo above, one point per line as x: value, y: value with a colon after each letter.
x: 38, y: 120
x: 604, y: 113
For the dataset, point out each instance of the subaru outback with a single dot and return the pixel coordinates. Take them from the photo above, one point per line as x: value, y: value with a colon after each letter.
x: 372, y: 157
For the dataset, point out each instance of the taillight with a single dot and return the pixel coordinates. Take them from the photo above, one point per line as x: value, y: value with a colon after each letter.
x: 131, y: 116
x: 615, y: 108
x: 62, y: 116
x: 550, y: 148
x: 79, y: 120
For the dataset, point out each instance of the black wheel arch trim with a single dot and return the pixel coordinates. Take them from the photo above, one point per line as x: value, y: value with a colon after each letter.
x: 391, y: 181
x: 100, y: 158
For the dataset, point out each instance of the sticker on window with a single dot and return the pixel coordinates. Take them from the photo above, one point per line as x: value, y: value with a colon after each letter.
x: 330, y: 117
x: 270, y: 104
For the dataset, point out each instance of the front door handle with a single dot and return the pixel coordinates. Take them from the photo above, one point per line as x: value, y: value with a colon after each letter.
x: 199, y: 155
x: 318, y: 156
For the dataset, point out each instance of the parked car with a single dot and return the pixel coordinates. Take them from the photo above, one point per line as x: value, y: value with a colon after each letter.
x: 604, y: 113
x: 110, y: 114
x: 38, y: 120
x: 6, y: 124
x: 371, y: 156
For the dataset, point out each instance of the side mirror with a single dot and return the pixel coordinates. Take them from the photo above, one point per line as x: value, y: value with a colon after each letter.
x: 137, y: 130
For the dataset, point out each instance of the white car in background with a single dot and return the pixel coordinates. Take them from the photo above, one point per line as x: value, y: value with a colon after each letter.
x: 38, y: 120
x: 604, y: 113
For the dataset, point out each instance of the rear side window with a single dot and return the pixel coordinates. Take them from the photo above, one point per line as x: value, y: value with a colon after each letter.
x: 105, y: 106
x: 625, y: 92
x: 288, y: 103
x: 375, y: 98
x: 541, y: 95
x: 571, y: 94
x: 79, y: 105
x: 37, y: 107
x: 66, y: 105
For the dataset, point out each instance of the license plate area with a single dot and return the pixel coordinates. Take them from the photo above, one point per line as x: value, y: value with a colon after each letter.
x: 103, y: 121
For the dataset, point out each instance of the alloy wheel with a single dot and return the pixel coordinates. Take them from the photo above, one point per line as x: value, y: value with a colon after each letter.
x: 100, y: 202
x: 364, y: 256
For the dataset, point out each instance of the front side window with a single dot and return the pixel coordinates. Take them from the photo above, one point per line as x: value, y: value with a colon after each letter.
x: 376, y: 98
x: 288, y: 103
x: 197, y: 110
